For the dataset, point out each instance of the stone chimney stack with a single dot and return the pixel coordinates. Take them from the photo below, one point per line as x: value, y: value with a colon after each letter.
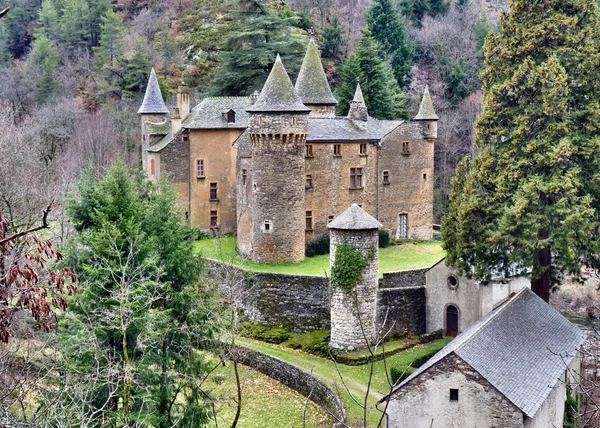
x: 353, y: 312
x: 183, y: 102
x: 358, y: 109
x: 175, y: 121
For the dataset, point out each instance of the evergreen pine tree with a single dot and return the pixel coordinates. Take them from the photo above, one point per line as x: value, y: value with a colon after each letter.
x: 250, y: 52
x: 389, y: 30
x: 48, y: 21
x: 334, y: 41
x: 138, y: 65
x: 111, y: 47
x: 438, y: 7
x: 5, y: 55
x: 383, y: 96
x: 45, y: 61
x: 530, y: 200
x: 98, y: 9
x: 415, y: 10
x: 75, y: 24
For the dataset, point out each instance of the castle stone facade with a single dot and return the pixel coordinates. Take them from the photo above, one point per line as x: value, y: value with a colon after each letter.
x: 275, y: 168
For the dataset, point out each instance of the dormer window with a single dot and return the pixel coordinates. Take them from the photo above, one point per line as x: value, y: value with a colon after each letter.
x: 230, y: 116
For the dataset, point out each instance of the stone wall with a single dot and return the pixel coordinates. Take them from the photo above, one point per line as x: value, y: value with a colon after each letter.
x: 294, y: 378
x: 174, y: 164
x: 301, y: 303
x: 425, y: 401
x: 405, y: 278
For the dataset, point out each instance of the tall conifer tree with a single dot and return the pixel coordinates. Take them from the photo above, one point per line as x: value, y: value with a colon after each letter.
x: 334, y: 41
x: 530, y: 202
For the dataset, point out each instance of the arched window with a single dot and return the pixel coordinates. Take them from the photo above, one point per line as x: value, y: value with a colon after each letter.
x: 231, y: 116
x: 451, y: 321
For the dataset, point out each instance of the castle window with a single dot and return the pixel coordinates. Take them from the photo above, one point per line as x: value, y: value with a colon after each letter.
x: 214, y: 219
x: 355, y: 178
x: 453, y: 394
x: 452, y: 282
x: 267, y: 226
x: 402, y: 226
x: 231, y: 116
x: 337, y: 150
x: 309, y: 183
x: 405, y: 148
x: 294, y: 121
x: 186, y: 137
x: 152, y: 166
x: 244, y: 176
x: 308, y: 151
x: 199, y: 168
x: 329, y: 219
x: 213, y: 192
x: 386, y: 177
x: 309, y: 224
x: 363, y: 149
x: 424, y: 176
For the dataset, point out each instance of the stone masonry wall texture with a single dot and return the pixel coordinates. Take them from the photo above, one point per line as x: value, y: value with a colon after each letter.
x: 353, y: 313
x: 425, y: 401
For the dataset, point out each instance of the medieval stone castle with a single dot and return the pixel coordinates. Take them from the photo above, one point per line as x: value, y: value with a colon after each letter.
x: 277, y: 167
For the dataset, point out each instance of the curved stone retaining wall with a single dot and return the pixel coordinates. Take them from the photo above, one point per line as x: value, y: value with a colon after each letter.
x: 294, y: 378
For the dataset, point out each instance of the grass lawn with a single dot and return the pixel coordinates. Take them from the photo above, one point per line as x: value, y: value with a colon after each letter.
x: 355, y: 377
x: 406, y: 256
x: 265, y: 401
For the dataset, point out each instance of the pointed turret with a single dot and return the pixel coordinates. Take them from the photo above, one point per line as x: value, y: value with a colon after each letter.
x: 358, y: 108
x: 278, y: 94
x: 153, y: 102
x: 427, y: 115
x: 312, y: 84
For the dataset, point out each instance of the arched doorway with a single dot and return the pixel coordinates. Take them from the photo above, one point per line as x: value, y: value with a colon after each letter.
x: 451, y: 321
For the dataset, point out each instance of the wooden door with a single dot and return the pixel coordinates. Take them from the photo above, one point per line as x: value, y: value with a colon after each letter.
x: 451, y: 321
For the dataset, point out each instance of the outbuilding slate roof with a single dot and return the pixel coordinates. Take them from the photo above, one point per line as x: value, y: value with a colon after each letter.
x: 153, y: 101
x: 355, y: 218
x: 278, y: 94
x: 426, y: 110
x: 343, y: 129
x: 209, y: 114
x: 522, y: 349
x: 312, y: 85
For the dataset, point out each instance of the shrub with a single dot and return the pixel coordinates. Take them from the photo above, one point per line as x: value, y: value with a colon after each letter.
x: 270, y: 334
x: 318, y: 246
x: 384, y: 238
x: 399, y: 373
x: 348, y: 267
x: 317, y: 343
x: 434, y: 335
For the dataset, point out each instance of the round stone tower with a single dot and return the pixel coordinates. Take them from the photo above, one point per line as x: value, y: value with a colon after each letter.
x: 153, y: 114
x: 278, y: 130
x: 353, y: 313
x: 427, y: 116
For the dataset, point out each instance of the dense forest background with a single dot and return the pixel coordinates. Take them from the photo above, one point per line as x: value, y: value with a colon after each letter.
x: 74, y: 72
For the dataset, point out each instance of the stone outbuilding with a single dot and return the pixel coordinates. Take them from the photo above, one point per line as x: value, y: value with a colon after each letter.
x: 511, y: 369
x: 353, y: 313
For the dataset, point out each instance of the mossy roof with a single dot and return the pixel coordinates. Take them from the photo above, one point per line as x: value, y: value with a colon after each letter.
x: 312, y: 85
x: 162, y: 128
x: 355, y: 218
x: 209, y: 114
x: 278, y: 94
x: 426, y: 110
x: 153, y: 101
x: 342, y: 129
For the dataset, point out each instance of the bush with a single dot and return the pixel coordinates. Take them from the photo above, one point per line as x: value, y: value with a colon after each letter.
x: 384, y: 238
x: 348, y: 267
x: 318, y: 246
x: 270, y: 334
x: 399, y: 373
x: 434, y: 335
x: 315, y: 343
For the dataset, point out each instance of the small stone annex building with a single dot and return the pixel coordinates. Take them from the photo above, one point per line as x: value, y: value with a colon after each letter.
x: 511, y: 369
x: 275, y: 168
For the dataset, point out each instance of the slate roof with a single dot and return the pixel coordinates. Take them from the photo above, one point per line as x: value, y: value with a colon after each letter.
x: 343, y: 129
x: 278, y: 94
x: 209, y: 113
x: 355, y: 218
x: 312, y: 85
x: 153, y: 100
x: 426, y: 110
x: 164, y: 142
x: 522, y: 348
x: 162, y: 128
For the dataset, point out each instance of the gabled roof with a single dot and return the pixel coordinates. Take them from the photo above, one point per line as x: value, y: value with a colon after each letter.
x: 278, y: 94
x: 209, y: 113
x: 312, y: 85
x: 342, y: 129
x: 426, y: 110
x: 153, y: 101
x: 522, y: 349
x: 355, y: 218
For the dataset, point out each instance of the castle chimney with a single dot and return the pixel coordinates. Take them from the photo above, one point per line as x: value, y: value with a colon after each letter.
x: 183, y: 101
x: 175, y: 121
x: 358, y: 109
x: 254, y: 97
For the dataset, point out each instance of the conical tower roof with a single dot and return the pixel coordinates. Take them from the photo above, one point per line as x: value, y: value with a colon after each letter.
x: 426, y: 110
x: 153, y: 101
x: 358, y: 108
x: 355, y: 218
x: 312, y: 84
x: 278, y: 94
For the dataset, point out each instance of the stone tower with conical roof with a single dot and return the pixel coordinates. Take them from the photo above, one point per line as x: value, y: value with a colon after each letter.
x: 312, y: 85
x: 358, y: 109
x: 278, y: 131
x: 153, y: 115
x: 427, y: 116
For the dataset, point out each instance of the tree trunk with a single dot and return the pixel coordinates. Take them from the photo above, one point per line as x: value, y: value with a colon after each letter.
x: 543, y: 260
